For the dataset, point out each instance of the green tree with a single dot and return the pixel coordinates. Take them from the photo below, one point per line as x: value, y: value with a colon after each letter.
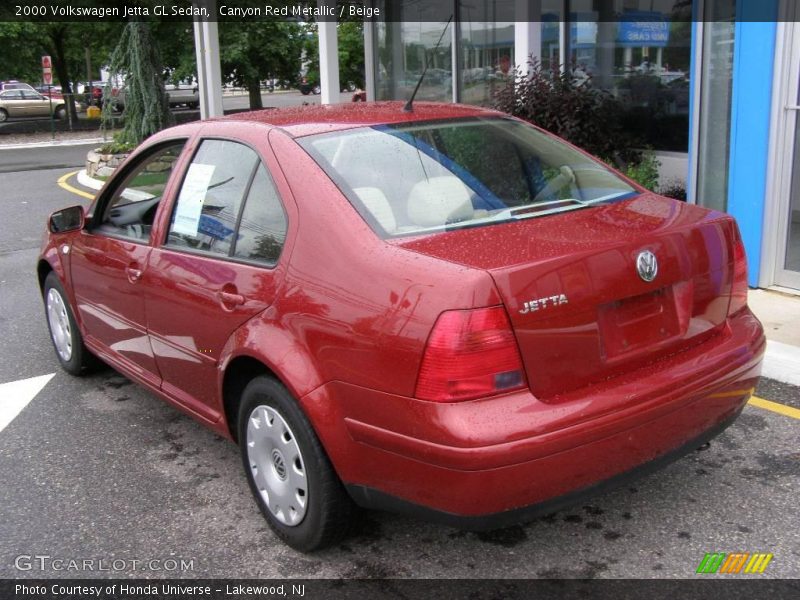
x: 67, y: 43
x: 137, y: 61
x: 254, y: 51
x: 350, y: 37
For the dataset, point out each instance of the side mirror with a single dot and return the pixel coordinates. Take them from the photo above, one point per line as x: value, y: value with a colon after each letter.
x: 67, y: 219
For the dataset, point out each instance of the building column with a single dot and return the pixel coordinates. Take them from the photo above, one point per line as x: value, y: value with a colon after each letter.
x: 328, y: 57
x: 527, y: 33
x: 369, y: 59
x: 209, y: 73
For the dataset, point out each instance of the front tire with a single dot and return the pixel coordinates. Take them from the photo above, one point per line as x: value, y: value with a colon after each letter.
x: 74, y: 357
x: 290, y: 475
x: 3, y: 115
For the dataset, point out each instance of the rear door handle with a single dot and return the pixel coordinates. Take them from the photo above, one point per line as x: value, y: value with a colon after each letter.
x: 231, y: 299
x: 134, y: 274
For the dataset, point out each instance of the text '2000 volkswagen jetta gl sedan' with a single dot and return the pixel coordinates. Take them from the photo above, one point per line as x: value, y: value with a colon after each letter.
x: 403, y: 310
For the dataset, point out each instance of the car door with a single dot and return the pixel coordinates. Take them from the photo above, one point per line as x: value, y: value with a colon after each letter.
x: 216, y: 268
x: 35, y: 105
x: 13, y: 103
x: 109, y: 262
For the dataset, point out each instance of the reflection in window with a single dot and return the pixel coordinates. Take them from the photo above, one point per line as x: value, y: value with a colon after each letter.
x: 640, y: 52
x: 487, y: 59
x: 405, y: 40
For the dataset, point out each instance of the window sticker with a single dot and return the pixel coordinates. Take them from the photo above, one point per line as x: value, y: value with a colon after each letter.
x: 192, y: 196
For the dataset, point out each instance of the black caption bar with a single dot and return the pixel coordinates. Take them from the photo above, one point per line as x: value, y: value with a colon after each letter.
x: 418, y: 589
x: 494, y: 11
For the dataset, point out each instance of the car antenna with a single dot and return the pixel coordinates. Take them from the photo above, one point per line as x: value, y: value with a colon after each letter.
x: 409, y: 107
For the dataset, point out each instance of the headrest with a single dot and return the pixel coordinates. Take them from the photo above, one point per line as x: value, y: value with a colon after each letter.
x: 437, y: 201
x: 375, y: 202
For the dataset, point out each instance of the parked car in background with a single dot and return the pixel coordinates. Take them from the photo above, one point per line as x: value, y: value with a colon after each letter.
x: 52, y: 91
x: 13, y: 84
x: 17, y: 103
x: 177, y: 95
x: 183, y: 95
x: 445, y: 312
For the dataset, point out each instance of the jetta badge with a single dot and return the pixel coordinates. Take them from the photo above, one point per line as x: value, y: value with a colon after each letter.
x: 647, y: 265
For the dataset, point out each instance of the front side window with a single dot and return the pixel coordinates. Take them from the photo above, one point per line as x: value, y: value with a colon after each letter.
x: 426, y: 177
x: 132, y: 209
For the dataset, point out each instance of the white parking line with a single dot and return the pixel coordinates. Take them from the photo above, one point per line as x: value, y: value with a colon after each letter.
x: 16, y: 395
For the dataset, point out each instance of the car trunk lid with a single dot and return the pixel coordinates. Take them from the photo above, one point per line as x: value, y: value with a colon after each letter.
x: 580, y: 310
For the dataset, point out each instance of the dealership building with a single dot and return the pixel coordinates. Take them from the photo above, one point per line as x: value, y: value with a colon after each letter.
x: 710, y: 85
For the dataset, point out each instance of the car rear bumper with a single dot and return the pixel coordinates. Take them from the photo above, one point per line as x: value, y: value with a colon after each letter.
x: 486, y: 462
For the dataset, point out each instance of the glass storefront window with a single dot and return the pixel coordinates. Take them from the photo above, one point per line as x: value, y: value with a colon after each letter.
x: 551, y: 17
x: 486, y: 60
x: 715, y: 104
x: 404, y: 41
x: 640, y: 52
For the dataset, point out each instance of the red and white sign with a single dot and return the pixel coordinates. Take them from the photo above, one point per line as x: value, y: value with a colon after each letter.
x: 47, y: 70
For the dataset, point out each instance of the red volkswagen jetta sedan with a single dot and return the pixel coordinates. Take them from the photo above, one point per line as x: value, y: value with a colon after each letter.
x: 446, y: 312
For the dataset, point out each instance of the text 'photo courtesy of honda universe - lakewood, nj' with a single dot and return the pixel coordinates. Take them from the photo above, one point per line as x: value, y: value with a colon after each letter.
x: 445, y: 312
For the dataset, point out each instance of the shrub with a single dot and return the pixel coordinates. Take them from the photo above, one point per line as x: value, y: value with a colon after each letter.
x: 116, y: 146
x: 572, y: 109
x: 674, y: 188
x: 645, y: 171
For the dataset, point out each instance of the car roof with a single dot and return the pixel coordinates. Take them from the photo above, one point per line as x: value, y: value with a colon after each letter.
x: 313, y: 119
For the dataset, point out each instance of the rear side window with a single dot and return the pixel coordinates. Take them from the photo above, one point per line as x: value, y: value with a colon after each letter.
x: 262, y: 231
x: 228, y: 206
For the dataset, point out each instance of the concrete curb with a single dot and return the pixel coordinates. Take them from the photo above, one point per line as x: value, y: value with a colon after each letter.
x: 89, y: 182
x: 50, y: 144
x: 782, y: 363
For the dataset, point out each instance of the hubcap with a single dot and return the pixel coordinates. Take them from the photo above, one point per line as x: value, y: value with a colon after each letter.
x: 60, y: 329
x: 277, y: 465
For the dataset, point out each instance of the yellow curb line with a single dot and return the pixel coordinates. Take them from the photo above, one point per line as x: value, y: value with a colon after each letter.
x: 63, y: 183
x: 781, y: 409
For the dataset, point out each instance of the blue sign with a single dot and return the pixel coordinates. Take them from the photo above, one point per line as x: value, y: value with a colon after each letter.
x: 213, y: 227
x: 643, y: 29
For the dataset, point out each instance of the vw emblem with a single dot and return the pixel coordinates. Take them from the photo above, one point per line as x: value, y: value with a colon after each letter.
x: 647, y: 265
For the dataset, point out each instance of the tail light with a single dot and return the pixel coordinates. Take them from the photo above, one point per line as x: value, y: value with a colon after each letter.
x: 470, y: 354
x: 739, y: 287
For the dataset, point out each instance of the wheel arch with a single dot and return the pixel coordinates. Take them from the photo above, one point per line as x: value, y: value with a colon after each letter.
x: 240, y: 371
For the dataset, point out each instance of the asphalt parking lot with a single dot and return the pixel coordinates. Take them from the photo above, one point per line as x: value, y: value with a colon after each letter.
x: 96, y: 468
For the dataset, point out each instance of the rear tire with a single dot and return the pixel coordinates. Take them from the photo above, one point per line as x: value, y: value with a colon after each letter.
x: 73, y: 355
x: 290, y: 475
x: 3, y: 115
x: 61, y: 113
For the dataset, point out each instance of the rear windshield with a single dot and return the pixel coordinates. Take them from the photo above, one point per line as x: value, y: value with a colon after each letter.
x: 435, y: 176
